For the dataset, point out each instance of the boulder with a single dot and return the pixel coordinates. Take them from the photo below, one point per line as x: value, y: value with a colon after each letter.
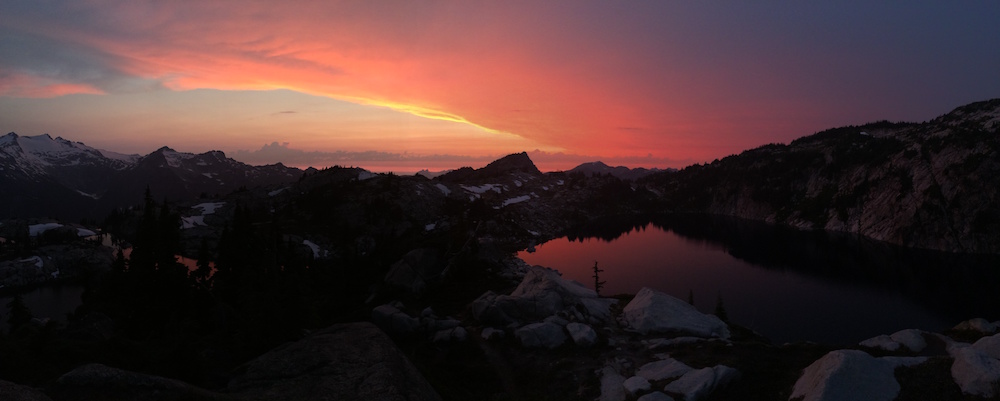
x: 975, y: 372
x: 457, y: 334
x: 490, y: 333
x: 661, y: 370
x: 612, y: 385
x: 16, y: 392
x: 635, y: 385
x: 652, y: 311
x: 103, y: 383
x: 415, y: 271
x: 978, y: 324
x: 696, y: 384
x: 989, y: 345
x: 542, y: 293
x: 393, y: 320
x: 882, y: 342
x: 582, y: 334
x: 912, y: 339
x: 655, y: 396
x: 354, y: 361
x: 851, y: 375
x: 540, y: 335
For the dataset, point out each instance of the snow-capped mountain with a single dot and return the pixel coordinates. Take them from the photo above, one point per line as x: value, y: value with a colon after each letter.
x: 42, y: 176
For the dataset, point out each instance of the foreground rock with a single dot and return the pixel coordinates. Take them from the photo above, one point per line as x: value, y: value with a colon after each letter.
x: 652, y: 311
x: 697, y: 384
x: 353, y: 361
x: 851, y: 375
x: 16, y: 392
x: 103, y: 383
x: 543, y: 293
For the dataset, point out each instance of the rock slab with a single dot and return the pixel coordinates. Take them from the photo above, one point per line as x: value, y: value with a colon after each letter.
x: 652, y: 311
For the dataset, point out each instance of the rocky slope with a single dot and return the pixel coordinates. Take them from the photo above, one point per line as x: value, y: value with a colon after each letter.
x: 933, y: 185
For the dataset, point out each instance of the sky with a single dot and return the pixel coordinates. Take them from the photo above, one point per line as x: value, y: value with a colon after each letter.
x: 393, y: 85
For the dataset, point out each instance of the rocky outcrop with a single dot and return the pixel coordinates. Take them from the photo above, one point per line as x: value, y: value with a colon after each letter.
x: 697, y: 384
x: 931, y: 185
x: 344, y: 362
x: 16, y: 392
x: 96, y: 382
x: 354, y: 361
x: 415, y: 271
x: 851, y: 375
x: 543, y: 293
x: 976, y: 368
x: 652, y: 311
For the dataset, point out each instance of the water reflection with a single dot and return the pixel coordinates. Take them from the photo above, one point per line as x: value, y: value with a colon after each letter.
x: 789, y: 285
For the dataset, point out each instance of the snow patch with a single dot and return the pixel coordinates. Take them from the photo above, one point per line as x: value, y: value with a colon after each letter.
x: 35, y: 230
x: 175, y: 159
x: 482, y: 188
x: 83, y: 232
x: 518, y: 199
x: 207, y: 175
x: 192, y: 222
x: 37, y: 260
x: 364, y: 175
x: 443, y: 189
x: 91, y: 196
x: 276, y: 191
x: 430, y: 227
x: 208, y: 208
x: 313, y: 246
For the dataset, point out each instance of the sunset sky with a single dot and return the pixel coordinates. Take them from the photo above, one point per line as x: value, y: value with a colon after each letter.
x: 435, y: 84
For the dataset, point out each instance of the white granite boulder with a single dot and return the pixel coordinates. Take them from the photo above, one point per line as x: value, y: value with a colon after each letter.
x: 635, y: 385
x: 392, y: 320
x: 978, y: 324
x: 581, y: 334
x: 652, y: 311
x: 655, y: 396
x: 542, y: 293
x: 664, y: 369
x: 909, y: 339
x: 696, y: 384
x: 612, y: 385
x: 540, y: 335
x: 851, y: 375
x: 976, y: 368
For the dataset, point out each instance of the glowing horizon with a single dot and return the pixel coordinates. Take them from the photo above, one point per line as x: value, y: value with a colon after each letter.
x: 672, y: 83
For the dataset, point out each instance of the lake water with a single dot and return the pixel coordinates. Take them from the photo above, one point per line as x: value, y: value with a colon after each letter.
x: 786, y: 284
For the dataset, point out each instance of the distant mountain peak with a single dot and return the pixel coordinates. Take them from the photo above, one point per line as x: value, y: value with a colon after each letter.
x: 590, y: 169
x: 510, y: 163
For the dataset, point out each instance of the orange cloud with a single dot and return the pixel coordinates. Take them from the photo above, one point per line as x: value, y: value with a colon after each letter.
x: 682, y: 81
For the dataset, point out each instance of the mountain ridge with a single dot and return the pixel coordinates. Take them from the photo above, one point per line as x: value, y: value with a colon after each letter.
x: 925, y: 185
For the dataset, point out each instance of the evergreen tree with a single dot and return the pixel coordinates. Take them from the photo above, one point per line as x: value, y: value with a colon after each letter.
x: 598, y: 284
x: 720, y: 309
x: 19, y: 314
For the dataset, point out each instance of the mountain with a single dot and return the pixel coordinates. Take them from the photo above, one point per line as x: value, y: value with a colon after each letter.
x: 599, y: 168
x: 517, y: 163
x: 932, y: 185
x: 42, y: 176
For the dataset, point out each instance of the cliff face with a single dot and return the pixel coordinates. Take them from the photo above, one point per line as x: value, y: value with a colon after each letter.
x: 929, y: 185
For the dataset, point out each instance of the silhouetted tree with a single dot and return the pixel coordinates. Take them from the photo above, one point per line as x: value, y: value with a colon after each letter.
x: 19, y: 314
x: 598, y: 284
x: 720, y: 309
